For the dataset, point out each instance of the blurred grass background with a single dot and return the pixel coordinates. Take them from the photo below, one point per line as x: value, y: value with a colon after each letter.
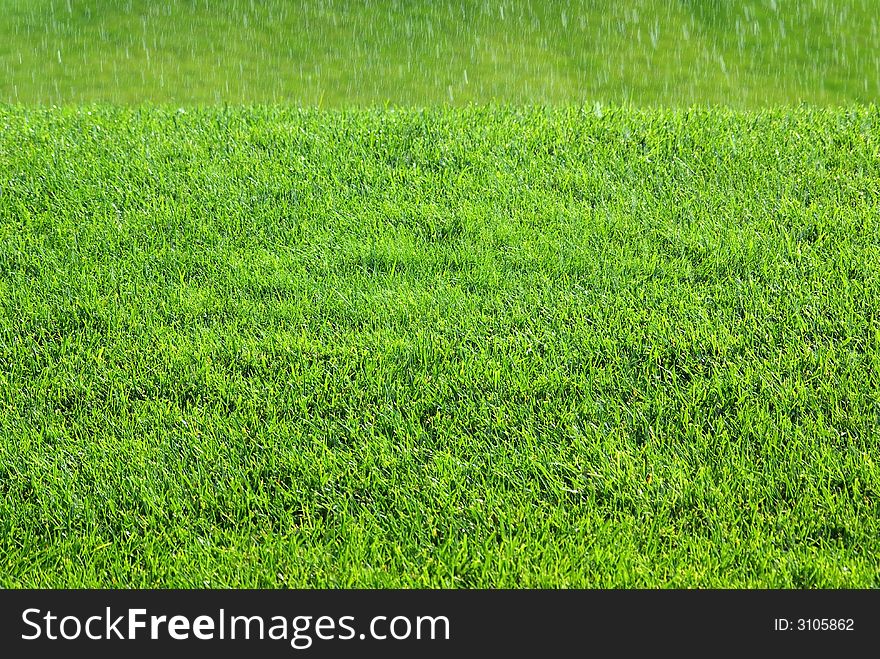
x: 420, y: 52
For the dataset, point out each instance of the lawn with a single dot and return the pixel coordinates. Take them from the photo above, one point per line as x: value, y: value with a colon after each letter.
x: 440, y: 347
x: 339, y: 53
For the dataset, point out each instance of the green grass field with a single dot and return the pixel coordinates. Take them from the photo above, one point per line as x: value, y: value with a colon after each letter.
x: 445, y: 293
x: 419, y: 52
x: 480, y: 346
